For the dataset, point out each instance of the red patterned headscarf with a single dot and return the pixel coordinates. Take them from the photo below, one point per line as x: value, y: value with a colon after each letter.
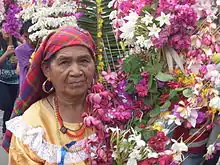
x: 32, y: 88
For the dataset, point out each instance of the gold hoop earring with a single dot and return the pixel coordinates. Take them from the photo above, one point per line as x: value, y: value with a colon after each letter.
x: 44, y: 87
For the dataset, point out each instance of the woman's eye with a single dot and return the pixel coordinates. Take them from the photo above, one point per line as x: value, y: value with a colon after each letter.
x: 63, y: 62
x: 84, y: 61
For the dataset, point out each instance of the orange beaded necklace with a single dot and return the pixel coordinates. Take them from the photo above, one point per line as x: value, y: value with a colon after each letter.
x: 71, y: 133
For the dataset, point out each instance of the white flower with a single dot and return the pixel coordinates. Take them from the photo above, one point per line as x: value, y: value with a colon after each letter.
x: 128, y: 28
x: 215, y: 102
x: 147, y: 19
x: 196, y: 89
x: 210, y: 149
x: 174, y: 119
x: 133, y: 17
x: 135, y: 154
x: 132, y: 161
x: 179, y: 147
x: 143, y: 43
x: 218, y: 2
x: 133, y: 157
x: 137, y: 138
x: 114, y: 155
x: 113, y: 14
x: 140, y: 40
x: 192, y: 118
x: 152, y: 155
x: 46, y: 17
x: 154, y: 30
x: 163, y: 19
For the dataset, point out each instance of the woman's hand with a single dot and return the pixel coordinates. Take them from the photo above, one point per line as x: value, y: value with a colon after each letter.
x: 10, y: 50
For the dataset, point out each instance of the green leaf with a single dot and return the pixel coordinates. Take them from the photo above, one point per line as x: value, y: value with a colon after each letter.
x: 147, y: 134
x: 179, y: 89
x: 150, y: 81
x: 166, y: 105
x: 153, y: 69
x: 155, y: 112
x: 153, y: 88
x: 164, y: 77
x: 188, y: 93
x: 135, y: 78
x: 172, y: 94
x: 130, y: 88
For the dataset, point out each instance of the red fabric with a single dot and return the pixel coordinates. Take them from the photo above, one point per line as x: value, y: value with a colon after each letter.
x: 194, y: 150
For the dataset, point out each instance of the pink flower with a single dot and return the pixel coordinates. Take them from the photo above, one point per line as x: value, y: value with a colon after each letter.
x: 180, y: 41
x: 126, y: 6
x: 98, y: 87
x: 173, y: 84
x: 142, y: 88
x: 158, y: 142
x: 207, y: 40
x: 110, y: 77
x: 149, y: 161
x: 139, y: 4
x: 217, y: 48
x: 94, y: 98
x: 144, y: 74
x: 165, y: 159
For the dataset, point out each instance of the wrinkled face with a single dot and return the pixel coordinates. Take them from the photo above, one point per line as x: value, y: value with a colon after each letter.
x: 71, y: 71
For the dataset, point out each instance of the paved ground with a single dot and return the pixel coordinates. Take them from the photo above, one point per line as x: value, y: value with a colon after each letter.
x: 3, y: 154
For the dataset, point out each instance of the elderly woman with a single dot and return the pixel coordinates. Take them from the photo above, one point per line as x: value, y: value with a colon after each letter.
x: 51, y: 130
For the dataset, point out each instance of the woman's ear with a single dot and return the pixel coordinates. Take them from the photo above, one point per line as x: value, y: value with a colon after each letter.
x: 46, y: 69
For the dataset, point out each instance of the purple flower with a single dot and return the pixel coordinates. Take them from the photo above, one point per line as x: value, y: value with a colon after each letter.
x: 142, y: 88
x: 201, y: 117
x: 180, y: 41
x: 160, y: 84
x: 12, y: 24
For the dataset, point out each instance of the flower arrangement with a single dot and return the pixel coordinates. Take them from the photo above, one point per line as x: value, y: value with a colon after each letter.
x: 47, y: 15
x: 142, y: 104
x: 12, y: 23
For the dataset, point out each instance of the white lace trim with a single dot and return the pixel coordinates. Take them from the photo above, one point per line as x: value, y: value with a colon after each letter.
x: 33, y: 137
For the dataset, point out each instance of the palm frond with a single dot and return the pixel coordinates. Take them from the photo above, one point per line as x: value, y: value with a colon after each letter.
x: 112, y: 50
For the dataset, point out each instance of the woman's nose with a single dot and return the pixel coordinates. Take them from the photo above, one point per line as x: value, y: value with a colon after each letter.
x: 76, y: 70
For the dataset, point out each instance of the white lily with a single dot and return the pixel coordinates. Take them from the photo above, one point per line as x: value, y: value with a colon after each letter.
x: 128, y: 28
x: 137, y: 138
x: 133, y: 157
x: 163, y: 19
x: 143, y: 43
x: 147, y: 19
x: 131, y: 161
x: 178, y: 147
x: 154, y: 30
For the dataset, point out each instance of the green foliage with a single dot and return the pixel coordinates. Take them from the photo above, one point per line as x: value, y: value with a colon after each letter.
x: 164, y: 77
x: 188, y: 93
x: 112, y: 50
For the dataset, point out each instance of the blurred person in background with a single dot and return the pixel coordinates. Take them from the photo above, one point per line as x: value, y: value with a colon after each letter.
x: 23, y: 52
x: 8, y: 78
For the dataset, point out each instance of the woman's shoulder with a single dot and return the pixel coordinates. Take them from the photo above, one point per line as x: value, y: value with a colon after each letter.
x: 34, y: 114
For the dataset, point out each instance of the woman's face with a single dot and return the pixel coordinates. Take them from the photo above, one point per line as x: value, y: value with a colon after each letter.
x: 71, y: 71
x: 5, y: 35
